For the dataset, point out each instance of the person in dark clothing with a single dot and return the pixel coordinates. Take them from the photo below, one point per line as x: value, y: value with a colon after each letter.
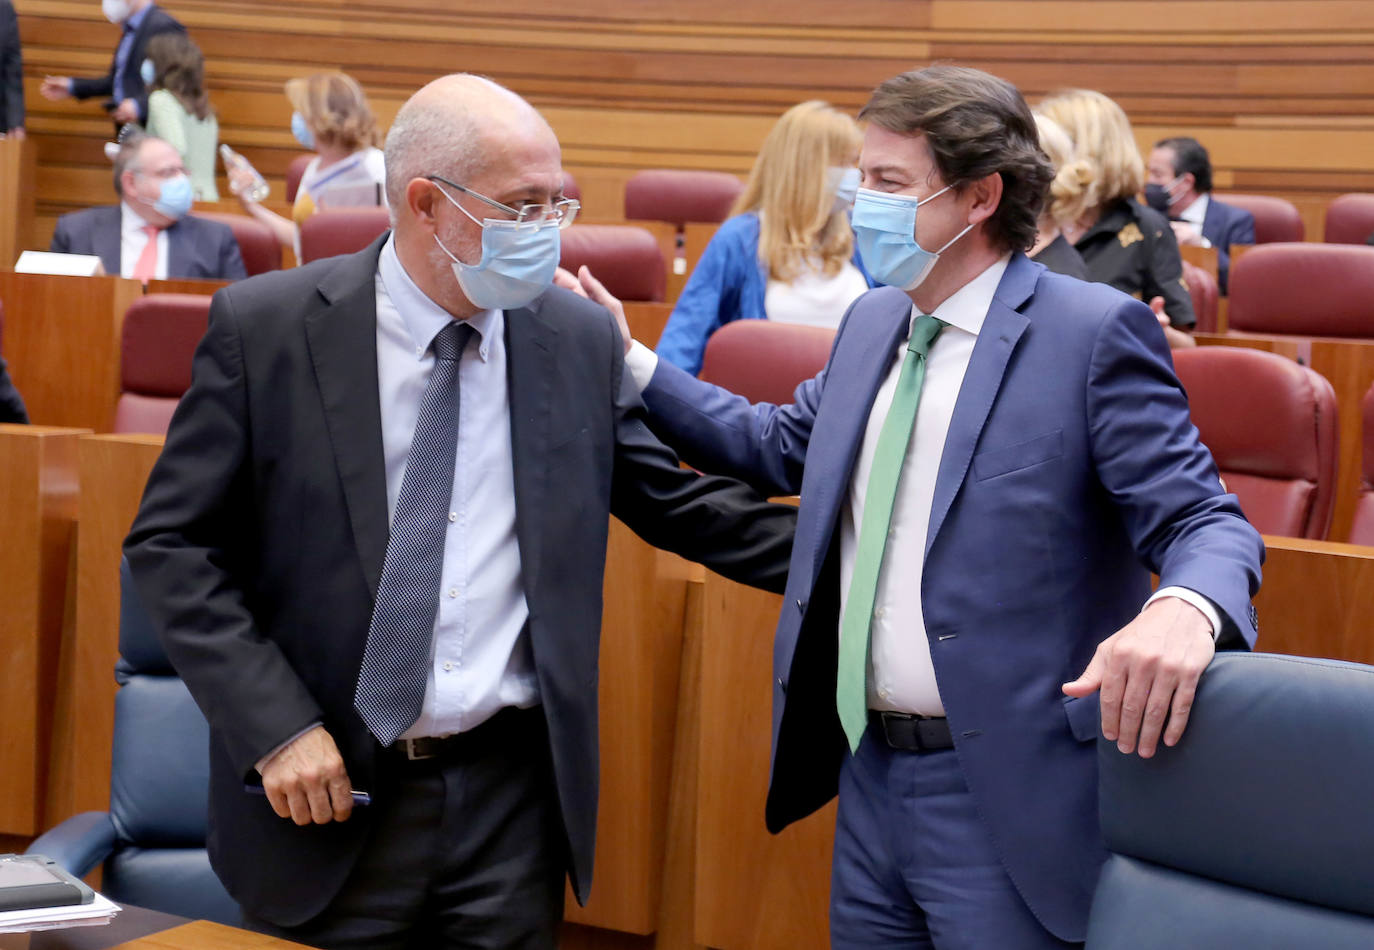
x: 1051, y: 248
x: 11, y: 74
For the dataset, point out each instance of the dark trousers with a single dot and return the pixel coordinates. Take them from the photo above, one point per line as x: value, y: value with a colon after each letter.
x: 467, y: 852
x: 914, y: 866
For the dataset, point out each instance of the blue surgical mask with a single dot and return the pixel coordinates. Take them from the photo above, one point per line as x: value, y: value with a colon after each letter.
x: 146, y: 72
x: 845, y: 183
x: 517, y: 264
x: 174, y: 199
x: 885, y: 232
x: 301, y: 130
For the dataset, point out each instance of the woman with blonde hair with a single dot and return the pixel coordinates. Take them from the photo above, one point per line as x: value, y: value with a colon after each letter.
x: 788, y: 252
x: 1123, y: 242
x: 1051, y: 248
x: 332, y: 117
x: 179, y: 109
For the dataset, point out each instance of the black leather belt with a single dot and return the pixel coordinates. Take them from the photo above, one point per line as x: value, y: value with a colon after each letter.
x: 912, y: 733
x: 510, y: 725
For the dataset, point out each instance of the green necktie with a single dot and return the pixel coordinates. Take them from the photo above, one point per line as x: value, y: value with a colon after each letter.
x: 851, y: 697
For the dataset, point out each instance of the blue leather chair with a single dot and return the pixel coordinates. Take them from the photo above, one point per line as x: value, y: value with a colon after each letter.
x: 152, y: 840
x: 1257, y: 830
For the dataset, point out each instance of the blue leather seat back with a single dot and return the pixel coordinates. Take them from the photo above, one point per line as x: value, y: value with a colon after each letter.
x: 1263, y: 810
x: 172, y: 880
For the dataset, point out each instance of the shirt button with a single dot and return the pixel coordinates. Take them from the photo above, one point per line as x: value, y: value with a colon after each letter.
x: 453, y: 592
x: 880, y: 613
x: 882, y: 694
x: 419, y: 351
x: 892, y: 532
x: 453, y: 516
x: 447, y: 666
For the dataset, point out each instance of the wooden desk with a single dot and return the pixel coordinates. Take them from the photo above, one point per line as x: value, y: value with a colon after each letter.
x: 1349, y: 366
x: 38, y: 496
x: 1204, y: 257
x: 16, y: 197
x: 113, y: 470
x: 184, y: 286
x: 139, y: 929
x: 62, y: 337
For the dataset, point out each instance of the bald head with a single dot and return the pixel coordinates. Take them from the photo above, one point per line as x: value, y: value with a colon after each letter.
x: 452, y: 127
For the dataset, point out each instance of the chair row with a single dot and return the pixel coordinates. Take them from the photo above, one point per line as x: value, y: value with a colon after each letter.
x: 1349, y: 218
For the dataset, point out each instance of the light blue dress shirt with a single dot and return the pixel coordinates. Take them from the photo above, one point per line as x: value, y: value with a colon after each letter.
x: 481, y: 659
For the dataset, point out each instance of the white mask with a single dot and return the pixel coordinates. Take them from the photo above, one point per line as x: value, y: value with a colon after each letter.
x: 116, y: 11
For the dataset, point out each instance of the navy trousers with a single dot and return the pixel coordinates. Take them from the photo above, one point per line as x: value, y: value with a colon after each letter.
x: 913, y: 864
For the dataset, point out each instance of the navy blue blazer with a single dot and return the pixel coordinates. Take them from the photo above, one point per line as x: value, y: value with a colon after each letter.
x: 196, y: 247
x: 157, y: 20
x: 1070, y: 472
x: 1224, y: 225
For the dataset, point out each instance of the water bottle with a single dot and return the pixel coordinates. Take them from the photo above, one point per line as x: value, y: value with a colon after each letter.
x: 258, y: 189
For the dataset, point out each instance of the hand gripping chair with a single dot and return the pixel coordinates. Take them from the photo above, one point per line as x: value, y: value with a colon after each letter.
x: 765, y: 361
x: 152, y: 840
x: 1255, y: 832
x: 1270, y: 424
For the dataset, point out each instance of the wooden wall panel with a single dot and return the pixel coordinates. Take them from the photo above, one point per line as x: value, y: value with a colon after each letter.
x: 1273, y: 87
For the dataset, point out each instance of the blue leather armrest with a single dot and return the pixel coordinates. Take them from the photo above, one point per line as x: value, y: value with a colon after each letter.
x: 79, y: 843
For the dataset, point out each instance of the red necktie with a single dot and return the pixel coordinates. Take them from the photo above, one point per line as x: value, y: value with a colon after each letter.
x: 145, y: 268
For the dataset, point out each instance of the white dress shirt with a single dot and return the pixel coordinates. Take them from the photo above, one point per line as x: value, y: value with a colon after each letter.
x: 1195, y: 213
x: 133, y: 239
x: 813, y: 299
x: 901, y: 674
x: 481, y: 656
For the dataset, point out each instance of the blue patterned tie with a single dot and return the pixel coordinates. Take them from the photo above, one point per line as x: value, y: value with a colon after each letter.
x: 391, y: 682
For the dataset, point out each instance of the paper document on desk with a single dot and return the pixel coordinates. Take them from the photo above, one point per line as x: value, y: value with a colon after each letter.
x: 101, y: 910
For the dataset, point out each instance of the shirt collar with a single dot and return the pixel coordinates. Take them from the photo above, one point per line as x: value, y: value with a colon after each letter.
x: 135, y: 21
x: 423, y: 317
x: 129, y: 219
x: 1195, y: 212
x: 967, y: 307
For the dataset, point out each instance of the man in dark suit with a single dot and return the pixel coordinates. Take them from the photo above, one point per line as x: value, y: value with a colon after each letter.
x: 355, y: 612
x: 11, y: 74
x: 990, y: 466
x: 150, y: 234
x: 126, y: 95
x: 1179, y: 184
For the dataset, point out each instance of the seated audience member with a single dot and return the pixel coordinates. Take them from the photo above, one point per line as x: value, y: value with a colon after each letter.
x: 123, y: 89
x: 1124, y: 243
x: 149, y: 235
x: 179, y: 110
x: 788, y: 252
x: 333, y: 118
x: 1178, y: 183
x: 11, y: 403
x: 1051, y: 248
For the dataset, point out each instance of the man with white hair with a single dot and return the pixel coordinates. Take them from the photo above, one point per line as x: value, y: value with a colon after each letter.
x: 374, y: 547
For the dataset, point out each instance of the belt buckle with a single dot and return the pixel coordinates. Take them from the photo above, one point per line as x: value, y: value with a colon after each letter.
x: 889, y: 718
x: 413, y: 747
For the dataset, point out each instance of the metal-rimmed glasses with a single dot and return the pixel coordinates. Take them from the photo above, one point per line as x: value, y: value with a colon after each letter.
x: 561, y: 213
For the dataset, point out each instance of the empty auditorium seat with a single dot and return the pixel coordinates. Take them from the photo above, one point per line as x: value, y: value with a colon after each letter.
x: 1255, y: 830
x: 1202, y: 286
x: 1362, y: 530
x: 765, y: 361
x: 625, y: 258
x: 159, y: 338
x: 1275, y: 218
x: 341, y: 231
x: 295, y: 172
x: 681, y: 196
x: 1271, y: 426
x: 258, y: 246
x: 1309, y: 289
x: 1350, y: 219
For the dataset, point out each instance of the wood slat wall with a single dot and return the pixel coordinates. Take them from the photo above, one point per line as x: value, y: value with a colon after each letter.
x: 1277, y: 89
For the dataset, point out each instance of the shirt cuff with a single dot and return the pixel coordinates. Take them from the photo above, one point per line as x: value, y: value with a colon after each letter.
x: 1208, y: 609
x: 262, y: 762
x: 641, y: 362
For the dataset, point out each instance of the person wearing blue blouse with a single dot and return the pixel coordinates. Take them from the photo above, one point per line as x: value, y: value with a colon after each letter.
x: 788, y: 253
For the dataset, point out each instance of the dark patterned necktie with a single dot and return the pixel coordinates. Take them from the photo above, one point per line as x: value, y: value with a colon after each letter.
x: 391, y: 682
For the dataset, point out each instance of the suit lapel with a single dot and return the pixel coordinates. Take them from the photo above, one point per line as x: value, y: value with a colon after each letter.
x: 1002, y: 329
x: 531, y: 341
x: 179, y: 250
x: 342, y: 339
x: 106, y: 239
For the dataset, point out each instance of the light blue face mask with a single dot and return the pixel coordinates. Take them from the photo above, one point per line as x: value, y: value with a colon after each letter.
x: 845, y: 183
x: 885, y: 232
x: 301, y: 131
x: 146, y: 72
x: 518, y: 261
x: 175, y: 197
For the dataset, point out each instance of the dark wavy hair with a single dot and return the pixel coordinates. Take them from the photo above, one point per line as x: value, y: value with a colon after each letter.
x: 179, y: 68
x: 1190, y: 156
x: 976, y: 125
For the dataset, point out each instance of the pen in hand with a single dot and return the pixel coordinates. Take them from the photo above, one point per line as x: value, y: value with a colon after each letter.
x: 359, y: 798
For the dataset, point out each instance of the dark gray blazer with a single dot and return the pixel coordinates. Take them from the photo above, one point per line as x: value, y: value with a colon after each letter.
x: 260, y: 541
x: 11, y: 70
x: 197, y: 247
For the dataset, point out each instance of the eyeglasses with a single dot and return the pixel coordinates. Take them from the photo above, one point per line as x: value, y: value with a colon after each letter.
x: 561, y: 212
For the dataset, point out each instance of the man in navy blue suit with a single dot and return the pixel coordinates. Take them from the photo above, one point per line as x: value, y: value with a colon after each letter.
x: 1179, y: 184
x: 150, y: 233
x: 990, y: 465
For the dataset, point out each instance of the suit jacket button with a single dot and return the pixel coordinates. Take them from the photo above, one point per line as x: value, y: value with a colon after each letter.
x: 781, y: 685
